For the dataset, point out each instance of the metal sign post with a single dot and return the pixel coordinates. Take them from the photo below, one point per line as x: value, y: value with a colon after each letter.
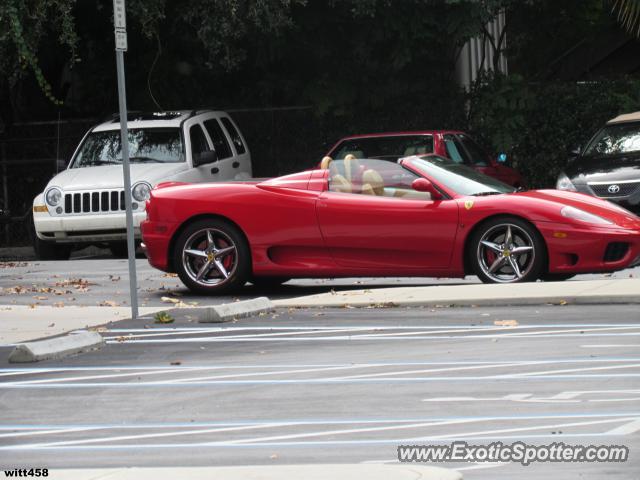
x: 120, y: 24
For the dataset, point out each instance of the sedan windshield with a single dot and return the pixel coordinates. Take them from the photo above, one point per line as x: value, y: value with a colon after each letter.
x: 150, y: 145
x: 615, y: 140
x: 459, y: 178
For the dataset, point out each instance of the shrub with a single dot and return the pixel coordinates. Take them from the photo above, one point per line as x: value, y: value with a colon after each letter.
x: 536, y: 124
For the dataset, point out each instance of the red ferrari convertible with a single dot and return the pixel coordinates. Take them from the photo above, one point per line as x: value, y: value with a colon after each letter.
x: 422, y: 216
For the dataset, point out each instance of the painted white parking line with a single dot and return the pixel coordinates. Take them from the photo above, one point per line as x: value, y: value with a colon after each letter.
x: 553, y: 426
x: 619, y: 345
x: 381, y: 327
x: 255, y: 335
x: 562, y: 397
x: 432, y: 370
x: 279, y: 372
x: 316, y: 381
x: 369, y: 337
x: 48, y: 432
x: 626, y: 429
x: 149, y: 435
x: 351, y: 430
x: 100, y: 377
x: 124, y: 368
x: 285, y: 440
x: 572, y: 370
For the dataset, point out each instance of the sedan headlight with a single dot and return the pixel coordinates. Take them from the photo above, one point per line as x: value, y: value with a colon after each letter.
x: 564, y: 183
x: 141, y: 191
x: 53, y: 196
x: 582, y: 216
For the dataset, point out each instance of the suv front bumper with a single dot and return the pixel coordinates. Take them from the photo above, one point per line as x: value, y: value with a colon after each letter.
x: 85, y: 228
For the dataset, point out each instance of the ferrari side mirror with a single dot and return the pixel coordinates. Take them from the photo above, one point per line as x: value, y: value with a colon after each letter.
x: 424, y: 185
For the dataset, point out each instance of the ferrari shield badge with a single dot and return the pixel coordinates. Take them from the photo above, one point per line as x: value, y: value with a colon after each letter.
x: 468, y: 204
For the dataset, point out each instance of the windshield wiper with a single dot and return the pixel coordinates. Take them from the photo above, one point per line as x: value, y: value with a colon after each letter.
x: 97, y: 163
x: 485, y: 194
x: 145, y: 160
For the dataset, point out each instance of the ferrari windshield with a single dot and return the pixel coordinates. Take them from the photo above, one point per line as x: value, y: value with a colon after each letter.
x: 149, y: 145
x: 388, y: 147
x: 459, y: 178
x: 615, y: 139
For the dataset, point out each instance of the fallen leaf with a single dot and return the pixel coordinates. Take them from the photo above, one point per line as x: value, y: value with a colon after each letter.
x: 41, y: 298
x: 108, y: 303
x: 58, y: 304
x: 163, y: 317
x: 169, y: 300
x: 506, y: 323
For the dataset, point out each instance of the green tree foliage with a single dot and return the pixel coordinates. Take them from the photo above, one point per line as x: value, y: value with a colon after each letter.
x: 23, y: 26
x: 537, y: 124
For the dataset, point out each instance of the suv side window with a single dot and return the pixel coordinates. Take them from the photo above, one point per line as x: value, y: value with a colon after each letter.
x: 477, y: 155
x: 235, y: 136
x: 219, y: 140
x: 454, y: 150
x: 199, y: 143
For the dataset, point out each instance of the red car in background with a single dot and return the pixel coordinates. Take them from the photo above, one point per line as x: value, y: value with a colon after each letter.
x: 452, y: 144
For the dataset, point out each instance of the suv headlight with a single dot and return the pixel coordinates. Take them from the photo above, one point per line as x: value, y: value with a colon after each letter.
x: 581, y: 215
x: 141, y: 191
x: 564, y: 183
x: 53, y: 196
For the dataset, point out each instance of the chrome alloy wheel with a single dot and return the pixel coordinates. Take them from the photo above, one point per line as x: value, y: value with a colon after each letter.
x: 209, y: 257
x: 506, y: 253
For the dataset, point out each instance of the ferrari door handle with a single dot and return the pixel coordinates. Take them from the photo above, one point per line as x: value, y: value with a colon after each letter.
x: 215, y: 170
x: 235, y: 164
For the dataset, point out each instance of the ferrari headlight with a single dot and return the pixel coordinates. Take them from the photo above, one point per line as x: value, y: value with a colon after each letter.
x: 141, y: 191
x: 582, y: 216
x: 53, y: 196
x: 564, y: 183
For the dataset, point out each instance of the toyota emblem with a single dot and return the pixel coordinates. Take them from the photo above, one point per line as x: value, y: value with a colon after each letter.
x: 613, y: 188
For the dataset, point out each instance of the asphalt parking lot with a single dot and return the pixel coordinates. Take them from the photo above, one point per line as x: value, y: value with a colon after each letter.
x: 334, y: 386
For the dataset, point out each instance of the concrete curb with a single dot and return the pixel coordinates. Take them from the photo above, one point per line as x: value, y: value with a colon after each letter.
x: 409, y: 471
x: 458, y: 302
x: 228, y: 311
x: 593, y: 292
x: 55, y: 348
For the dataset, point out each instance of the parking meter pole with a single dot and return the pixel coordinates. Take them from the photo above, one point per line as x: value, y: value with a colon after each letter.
x: 131, y: 247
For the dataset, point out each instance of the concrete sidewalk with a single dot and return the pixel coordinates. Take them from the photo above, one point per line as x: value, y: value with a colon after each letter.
x: 268, y: 472
x: 21, y: 323
x: 583, y: 292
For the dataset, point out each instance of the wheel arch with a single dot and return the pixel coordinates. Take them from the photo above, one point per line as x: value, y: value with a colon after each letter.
x: 468, y: 270
x: 196, y: 218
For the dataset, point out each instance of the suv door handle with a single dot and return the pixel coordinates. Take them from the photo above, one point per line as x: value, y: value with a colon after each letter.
x: 215, y: 170
x: 235, y: 164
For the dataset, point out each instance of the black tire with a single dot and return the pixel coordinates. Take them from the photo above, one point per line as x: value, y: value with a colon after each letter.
x: 50, y: 250
x: 119, y: 249
x: 230, y: 254
x: 495, y: 261
x: 557, y: 277
x: 264, y: 282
